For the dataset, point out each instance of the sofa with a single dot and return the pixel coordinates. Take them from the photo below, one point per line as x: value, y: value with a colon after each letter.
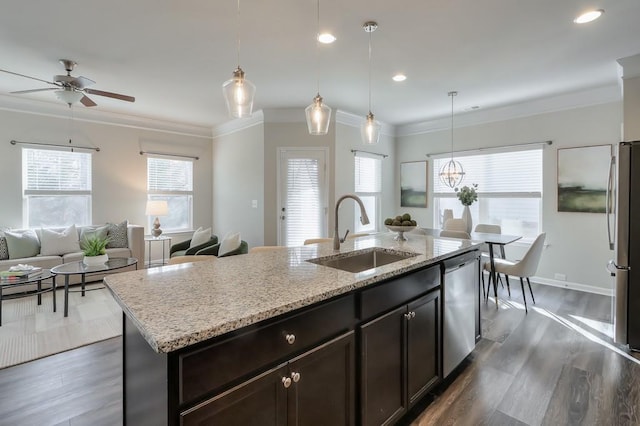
x: 131, y: 246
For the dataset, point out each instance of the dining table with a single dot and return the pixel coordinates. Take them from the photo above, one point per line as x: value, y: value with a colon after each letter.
x: 492, y: 240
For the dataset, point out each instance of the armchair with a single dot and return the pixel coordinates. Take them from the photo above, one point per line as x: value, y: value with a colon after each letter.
x: 183, y: 249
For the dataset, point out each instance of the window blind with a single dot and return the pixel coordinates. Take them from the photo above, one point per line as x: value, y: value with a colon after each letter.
x: 368, y: 174
x: 48, y: 171
x: 167, y: 175
x: 303, y: 201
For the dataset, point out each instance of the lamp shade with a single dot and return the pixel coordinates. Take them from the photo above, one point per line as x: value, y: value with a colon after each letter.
x: 69, y: 96
x: 157, y: 208
x: 318, y: 116
x: 238, y: 94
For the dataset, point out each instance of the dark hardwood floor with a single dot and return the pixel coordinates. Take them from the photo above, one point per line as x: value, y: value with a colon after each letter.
x: 554, y: 366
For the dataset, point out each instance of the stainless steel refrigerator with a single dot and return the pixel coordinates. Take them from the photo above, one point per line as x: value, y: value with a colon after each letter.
x: 624, y: 238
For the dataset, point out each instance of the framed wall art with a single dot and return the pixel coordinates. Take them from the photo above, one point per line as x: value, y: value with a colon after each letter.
x: 413, y: 184
x: 582, y: 178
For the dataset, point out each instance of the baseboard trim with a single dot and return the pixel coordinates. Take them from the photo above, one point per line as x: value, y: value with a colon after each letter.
x: 569, y: 285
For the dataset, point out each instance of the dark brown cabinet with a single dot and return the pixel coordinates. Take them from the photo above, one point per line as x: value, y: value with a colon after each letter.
x: 316, y: 387
x: 399, y: 359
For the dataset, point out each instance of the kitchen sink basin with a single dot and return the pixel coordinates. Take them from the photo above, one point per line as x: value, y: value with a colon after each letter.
x: 361, y: 260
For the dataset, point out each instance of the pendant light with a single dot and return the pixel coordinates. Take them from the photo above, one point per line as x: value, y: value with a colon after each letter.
x: 238, y: 91
x: 451, y: 173
x: 370, y: 128
x: 318, y: 113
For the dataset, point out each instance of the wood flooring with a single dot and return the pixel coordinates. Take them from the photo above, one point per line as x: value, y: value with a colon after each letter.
x: 555, y: 366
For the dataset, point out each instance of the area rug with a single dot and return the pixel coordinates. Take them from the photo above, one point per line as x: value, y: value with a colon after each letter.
x: 30, y: 331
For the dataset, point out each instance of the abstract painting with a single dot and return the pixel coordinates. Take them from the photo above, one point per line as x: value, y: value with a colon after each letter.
x: 413, y: 184
x: 582, y: 178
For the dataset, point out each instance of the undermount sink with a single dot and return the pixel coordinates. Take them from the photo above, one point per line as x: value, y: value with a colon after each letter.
x: 361, y: 260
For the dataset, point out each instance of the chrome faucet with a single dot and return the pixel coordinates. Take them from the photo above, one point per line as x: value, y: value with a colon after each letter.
x: 363, y: 218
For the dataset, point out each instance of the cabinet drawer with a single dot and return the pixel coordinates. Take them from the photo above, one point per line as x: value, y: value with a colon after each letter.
x: 212, y: 367
x: 398, y: 291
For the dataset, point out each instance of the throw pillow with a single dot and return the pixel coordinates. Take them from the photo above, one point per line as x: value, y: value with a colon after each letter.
x: 88, y: 232
x: 53, y: 243
x: 117, y: 235
x: 200, y: 236
x: 4, y: 249
x: 22, y: 243
x: 230, y: 243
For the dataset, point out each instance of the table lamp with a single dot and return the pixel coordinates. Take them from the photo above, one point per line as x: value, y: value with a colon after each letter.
x: 156, y: 208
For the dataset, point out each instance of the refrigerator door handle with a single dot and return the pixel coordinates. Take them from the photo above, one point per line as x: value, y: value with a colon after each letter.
x: 608, y: 202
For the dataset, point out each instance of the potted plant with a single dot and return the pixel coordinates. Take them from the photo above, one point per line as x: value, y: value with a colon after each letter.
x: 467, y: 196
x: 95, y: 250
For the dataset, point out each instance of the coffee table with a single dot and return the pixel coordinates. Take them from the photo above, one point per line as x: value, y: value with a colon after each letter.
x: 45, y: 275
x: 80, y: 268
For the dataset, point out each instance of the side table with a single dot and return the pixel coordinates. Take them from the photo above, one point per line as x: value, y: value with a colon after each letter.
x: 164, y: 240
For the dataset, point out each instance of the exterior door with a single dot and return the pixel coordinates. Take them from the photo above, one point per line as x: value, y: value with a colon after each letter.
x: 302, y: 187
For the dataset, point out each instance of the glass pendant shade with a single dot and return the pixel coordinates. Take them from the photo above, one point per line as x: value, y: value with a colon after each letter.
x: 238, y: 94
x: 318, y: 117
x: 370, y: 130
x: 451, y: 173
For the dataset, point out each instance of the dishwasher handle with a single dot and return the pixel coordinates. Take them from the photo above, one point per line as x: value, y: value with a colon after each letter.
x: 450, y: 269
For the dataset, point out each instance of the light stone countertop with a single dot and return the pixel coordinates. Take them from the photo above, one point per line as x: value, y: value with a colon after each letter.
x: 179, y: 305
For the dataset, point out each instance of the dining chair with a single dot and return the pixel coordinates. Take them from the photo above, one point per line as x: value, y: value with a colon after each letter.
x: 523, y: 268
x: 487, y: 228
x: 455, y: 225
x: 317, y: 240
x: 455, y: 234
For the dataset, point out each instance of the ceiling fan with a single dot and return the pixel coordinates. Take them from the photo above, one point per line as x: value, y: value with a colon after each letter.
x: 70, y: 89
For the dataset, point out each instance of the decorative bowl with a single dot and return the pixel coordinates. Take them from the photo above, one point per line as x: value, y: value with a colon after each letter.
x: 400, y: 230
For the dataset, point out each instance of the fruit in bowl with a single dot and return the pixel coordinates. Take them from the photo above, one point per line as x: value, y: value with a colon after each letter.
x: 400, y: 220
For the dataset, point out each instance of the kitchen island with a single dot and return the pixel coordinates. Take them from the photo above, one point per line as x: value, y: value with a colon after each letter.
x: 264, y: 337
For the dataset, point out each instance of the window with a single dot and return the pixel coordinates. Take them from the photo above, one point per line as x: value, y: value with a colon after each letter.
x: 367, y: 186
x: 509, y: 190
x: 172, y: 180
x: 57, y: 188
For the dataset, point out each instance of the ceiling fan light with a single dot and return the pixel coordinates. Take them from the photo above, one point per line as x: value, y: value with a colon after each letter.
x: 69, y: 96
x: 370, y: 130
x: 318, y: 117
x: 238, y: 95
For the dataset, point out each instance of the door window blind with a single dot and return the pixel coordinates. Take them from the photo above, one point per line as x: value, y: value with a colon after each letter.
x: 304, y: 203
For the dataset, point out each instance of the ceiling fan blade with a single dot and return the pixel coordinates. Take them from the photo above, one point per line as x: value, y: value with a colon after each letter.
x: 110, y: 95
x: 87, y: 102
x: 82, y: 82
x: 28, y: 76
x: 34, y: 90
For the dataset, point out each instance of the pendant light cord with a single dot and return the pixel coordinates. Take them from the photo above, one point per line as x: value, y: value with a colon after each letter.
x: 370, y: 71
x: 238, y: 33
x: 318, y: 47
x: 452, y: 94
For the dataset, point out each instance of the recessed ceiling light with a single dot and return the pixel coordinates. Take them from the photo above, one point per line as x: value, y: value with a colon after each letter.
x: 589, y: 16
x: 399, y: 77
x: 326, y: 38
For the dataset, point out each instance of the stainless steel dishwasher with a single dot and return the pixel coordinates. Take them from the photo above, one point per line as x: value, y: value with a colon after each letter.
x: 461, y: 294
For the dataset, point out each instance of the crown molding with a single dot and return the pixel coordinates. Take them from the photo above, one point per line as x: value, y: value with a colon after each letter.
x: 91, y: 115
x: 630, y: 66
x: 237, y: 125
x: 593, y: 96
x: 353, y: 120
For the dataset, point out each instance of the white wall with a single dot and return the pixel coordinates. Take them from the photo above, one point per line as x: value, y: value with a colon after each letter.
x: 238, y: 178
x: 119, y: 171
x: 577, y: 242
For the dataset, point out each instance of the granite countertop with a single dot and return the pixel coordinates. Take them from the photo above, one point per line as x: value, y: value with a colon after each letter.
x: 179, y: 305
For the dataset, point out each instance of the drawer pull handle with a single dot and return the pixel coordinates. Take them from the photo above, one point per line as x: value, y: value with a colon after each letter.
x: 413, y: 314
x: 408, y: 316
x: 286, y: 382
x: 295, y: 377
x: 290, y: 338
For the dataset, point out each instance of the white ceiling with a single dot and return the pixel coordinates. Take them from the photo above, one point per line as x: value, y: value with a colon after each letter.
x: 174, y: 55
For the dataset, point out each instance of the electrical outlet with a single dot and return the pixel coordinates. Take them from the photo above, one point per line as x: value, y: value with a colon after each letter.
x: 254, y: 204
x: 560, y: 277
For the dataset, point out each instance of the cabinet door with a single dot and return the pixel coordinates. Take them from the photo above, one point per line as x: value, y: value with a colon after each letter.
x: 423, y: 344
x: 382, y: 386
x: 322, y: 389
x: 261, y: 401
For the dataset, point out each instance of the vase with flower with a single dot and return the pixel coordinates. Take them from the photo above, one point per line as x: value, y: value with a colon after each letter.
x: 467, y: 196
